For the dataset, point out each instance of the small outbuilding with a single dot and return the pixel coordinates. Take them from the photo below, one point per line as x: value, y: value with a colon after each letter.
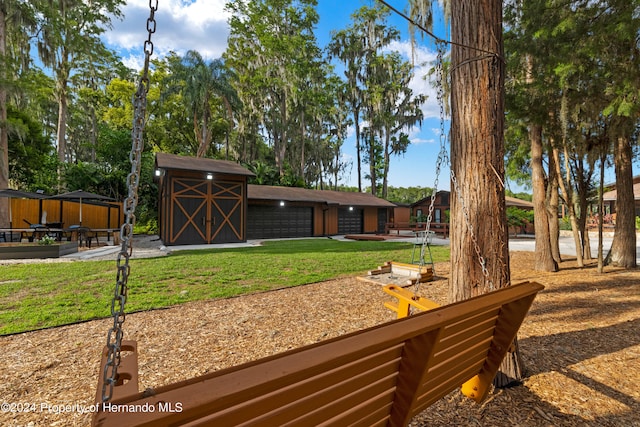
x: 201, y: 200
x: 206, y: 201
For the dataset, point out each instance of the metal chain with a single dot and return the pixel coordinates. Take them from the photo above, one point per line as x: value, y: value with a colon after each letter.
x: 474, y: 239
x: 443, y: 157
x: 115, y: 334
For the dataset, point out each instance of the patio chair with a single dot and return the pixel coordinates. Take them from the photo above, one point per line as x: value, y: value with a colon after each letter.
x: 86, y: 236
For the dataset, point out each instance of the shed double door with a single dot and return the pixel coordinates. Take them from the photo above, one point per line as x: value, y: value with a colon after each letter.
x: 205, y: 212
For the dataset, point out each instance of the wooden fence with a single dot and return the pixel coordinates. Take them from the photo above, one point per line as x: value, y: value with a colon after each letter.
x: 67, y: 212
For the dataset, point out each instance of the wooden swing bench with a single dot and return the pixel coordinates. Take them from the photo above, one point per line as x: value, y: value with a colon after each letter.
x: 379, y: 376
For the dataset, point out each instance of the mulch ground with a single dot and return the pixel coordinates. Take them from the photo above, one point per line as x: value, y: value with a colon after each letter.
x: 580, y: 344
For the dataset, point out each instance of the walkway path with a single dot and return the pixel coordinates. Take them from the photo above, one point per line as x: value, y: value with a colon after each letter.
x: 152, y: 246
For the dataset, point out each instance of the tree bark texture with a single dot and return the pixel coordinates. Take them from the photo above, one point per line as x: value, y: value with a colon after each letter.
x: 543, y: 250
x: 478, y: 212
x: 4, y: 136
x: 623, y: 247
x: 567, y: 190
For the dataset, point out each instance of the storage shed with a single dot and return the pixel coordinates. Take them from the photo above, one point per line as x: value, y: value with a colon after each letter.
x: 201, y: 200
x: 206, y: 201
x: 278, y: 212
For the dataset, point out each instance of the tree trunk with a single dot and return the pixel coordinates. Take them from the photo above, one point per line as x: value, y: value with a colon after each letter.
x: 372, y: 159
x: 544, y: 259
x: 62, y: 128
x: 478, y: 211
x: 568, y: 194
x: 603, y: 158
x: 477, y: 150
x: 94, y: 134
x: 301, y: 161
x: 553, y: 203
x: 4, y: 136
x: 356, y: 121
x: 583, y: 206
x: 623, y: 247
x: 62, y: 83
x: 385, y: 161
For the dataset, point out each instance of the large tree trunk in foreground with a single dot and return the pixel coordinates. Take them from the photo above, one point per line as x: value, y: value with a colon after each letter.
x: 623, y: 247
x: 477, y: 151
x: 478, y: 212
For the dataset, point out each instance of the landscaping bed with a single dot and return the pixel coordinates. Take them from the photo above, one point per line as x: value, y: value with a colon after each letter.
x: 18, y: 250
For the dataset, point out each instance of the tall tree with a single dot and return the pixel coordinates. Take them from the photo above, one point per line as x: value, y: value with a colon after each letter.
x: 15, y: 18
x: 204, y: 86
x: 620, y: 23
x: 478, y: 212
x: 530, y: 102
x: 272, y: 49
x: 479, y: 232
x: 4, y: 135
x: 70, y: 33
x: 357, y: 47
x: 396, y: 109
x: 346, y: 46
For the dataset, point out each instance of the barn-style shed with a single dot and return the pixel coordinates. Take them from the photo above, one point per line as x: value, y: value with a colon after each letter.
x: 209, y: 201
x: 201, y: 200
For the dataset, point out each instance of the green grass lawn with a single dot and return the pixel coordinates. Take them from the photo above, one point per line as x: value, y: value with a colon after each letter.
x: 34, y: 296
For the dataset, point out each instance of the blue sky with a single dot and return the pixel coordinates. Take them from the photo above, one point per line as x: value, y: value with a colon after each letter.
x: 202, y: 25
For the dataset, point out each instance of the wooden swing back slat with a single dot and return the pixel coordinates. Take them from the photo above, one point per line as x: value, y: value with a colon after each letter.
x: 379, y: 376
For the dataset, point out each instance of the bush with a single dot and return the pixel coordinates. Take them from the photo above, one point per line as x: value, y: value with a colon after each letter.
x: 565, y: 223
x: 149, y: 227
x: 46, y: 240
x: 517, y: 217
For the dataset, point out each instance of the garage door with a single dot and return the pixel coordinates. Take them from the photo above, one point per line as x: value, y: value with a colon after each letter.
x: 272, y: 222
x: 350, y: 221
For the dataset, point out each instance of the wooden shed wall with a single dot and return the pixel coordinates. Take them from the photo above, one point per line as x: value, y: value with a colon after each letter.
x: 401, y: 214
x: 94, y: 214
x: 331, y: 218
x: 370, y: 220
x: 319, y: 224
x: 212, y: 232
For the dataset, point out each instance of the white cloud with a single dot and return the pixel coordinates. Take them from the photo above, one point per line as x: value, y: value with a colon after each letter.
x: 199, y: 25
x: 419, y: 141
x: 424, y: 60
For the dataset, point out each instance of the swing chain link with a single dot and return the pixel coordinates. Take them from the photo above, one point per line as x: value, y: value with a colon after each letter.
x: 115, y: 333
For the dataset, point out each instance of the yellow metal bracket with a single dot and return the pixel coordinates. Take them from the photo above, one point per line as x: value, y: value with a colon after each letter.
x: 406, y: 300
x: 477, y: 387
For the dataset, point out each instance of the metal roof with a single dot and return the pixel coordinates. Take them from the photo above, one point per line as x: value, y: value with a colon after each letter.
x: 296, y: 194
x: 174, y: 161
